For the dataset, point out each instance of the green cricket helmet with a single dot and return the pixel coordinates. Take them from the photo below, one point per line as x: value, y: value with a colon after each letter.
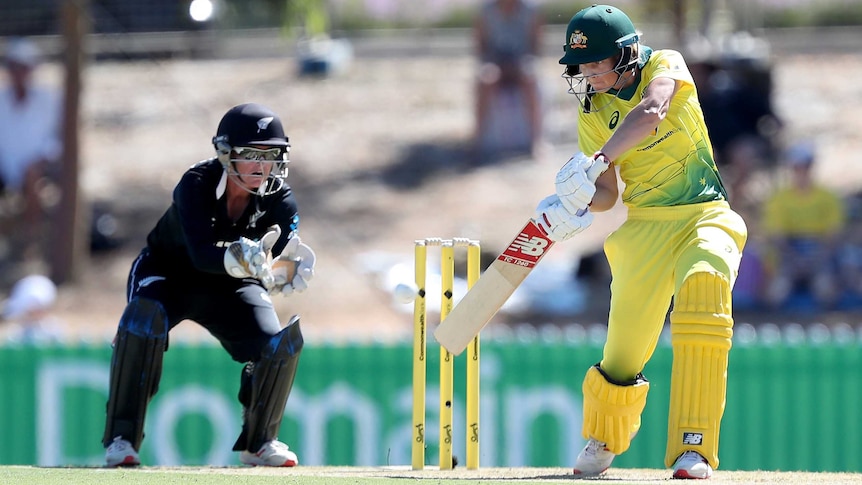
x: 595, y: 33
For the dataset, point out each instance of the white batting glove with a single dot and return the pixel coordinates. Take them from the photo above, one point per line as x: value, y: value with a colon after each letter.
x: 575, y: 183
x: 294, y: 268
x: 573, y: 186
x: 554, y: 219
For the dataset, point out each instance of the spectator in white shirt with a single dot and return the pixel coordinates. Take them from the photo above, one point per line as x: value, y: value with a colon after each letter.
x: 30, y: 142
x: 29, y: 313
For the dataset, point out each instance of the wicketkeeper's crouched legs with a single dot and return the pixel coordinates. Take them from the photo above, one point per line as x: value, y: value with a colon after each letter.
x: 612, y: 410
x: 701, y: 331
x: 136, y: 367
x: 265, y: 386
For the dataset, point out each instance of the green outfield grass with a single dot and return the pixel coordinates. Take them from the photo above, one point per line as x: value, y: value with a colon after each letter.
x: 27, y: 475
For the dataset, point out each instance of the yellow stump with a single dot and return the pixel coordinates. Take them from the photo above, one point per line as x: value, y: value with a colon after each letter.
x: 447, y: 280
x: 473, y: 270
x: 420, y: 333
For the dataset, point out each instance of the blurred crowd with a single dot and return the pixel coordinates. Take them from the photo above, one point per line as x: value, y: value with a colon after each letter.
x: 805, y: 248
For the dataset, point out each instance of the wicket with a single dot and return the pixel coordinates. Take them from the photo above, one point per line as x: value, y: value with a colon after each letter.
x: 420, y: 334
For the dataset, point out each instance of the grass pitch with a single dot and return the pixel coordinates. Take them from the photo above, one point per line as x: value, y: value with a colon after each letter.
x: 26, y: 475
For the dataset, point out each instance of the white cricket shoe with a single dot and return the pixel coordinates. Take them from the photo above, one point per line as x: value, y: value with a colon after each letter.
x: 593, y: 460
x: 121, y: 453
x: 272, y: 453
x: 691, y: 465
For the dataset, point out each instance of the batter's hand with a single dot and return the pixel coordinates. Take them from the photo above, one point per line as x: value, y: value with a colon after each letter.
x: 557, y: 222
x: 575, y: 183
x: 573, y: 186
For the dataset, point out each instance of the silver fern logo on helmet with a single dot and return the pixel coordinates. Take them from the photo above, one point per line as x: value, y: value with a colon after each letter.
x: 263, y: 123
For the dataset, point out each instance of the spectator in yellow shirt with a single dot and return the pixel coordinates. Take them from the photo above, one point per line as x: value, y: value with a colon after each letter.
x: 803, y: 222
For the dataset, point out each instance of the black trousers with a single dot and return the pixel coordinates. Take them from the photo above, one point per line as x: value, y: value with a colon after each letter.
x: 237, y: 312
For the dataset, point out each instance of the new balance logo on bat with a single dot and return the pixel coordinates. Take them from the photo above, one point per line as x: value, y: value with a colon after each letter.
x: 527, y: 248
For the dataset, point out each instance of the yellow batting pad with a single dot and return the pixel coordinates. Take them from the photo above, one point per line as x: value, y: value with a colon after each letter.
x: 612, y: 412
x: 701, y: 331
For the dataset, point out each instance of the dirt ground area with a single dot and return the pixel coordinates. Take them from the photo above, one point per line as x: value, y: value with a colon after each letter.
x: 379, y: 159
x: 385, y: 475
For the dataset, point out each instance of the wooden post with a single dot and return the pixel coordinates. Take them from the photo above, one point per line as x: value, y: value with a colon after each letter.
x: 70, y: 242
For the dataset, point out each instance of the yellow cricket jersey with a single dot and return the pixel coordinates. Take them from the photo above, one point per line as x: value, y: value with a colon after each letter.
x: 673, y: 166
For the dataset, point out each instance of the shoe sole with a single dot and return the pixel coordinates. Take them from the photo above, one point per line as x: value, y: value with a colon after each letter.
x: 128, y: 461
x: 286, y: 464
x: 684, y: 475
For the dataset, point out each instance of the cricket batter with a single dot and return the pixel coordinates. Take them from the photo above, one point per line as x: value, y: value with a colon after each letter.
x: 210, y: 259
x: 681, y: 242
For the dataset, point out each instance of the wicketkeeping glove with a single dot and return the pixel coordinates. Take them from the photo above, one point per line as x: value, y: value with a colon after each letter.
x: 294, y: 268
x: 247, y: 258
x: 557, y: 222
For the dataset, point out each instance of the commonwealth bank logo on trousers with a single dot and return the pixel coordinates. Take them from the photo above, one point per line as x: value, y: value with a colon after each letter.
x: 692, y: 438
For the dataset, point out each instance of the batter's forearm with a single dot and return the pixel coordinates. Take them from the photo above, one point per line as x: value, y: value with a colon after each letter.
x: 603, y: 200
x: 641, y: 121
x: 633, y: 130
x: 607, y: 191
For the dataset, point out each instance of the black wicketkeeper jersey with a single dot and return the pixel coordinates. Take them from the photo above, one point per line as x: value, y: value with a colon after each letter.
x: 195, y: 230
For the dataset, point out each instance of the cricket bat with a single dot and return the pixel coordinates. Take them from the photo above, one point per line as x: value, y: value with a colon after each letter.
x: 493, y: 289
x: 499, y: 281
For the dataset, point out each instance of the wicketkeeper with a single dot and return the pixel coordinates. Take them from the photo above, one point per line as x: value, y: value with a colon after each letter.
x: 227, y: 243
x: 681, y: 241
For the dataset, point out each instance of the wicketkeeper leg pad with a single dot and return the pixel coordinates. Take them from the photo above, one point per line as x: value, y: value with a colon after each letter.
x: 612, y: 410
x: 701, y: 331
x: 136, y: 367
x: 265, y: 386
